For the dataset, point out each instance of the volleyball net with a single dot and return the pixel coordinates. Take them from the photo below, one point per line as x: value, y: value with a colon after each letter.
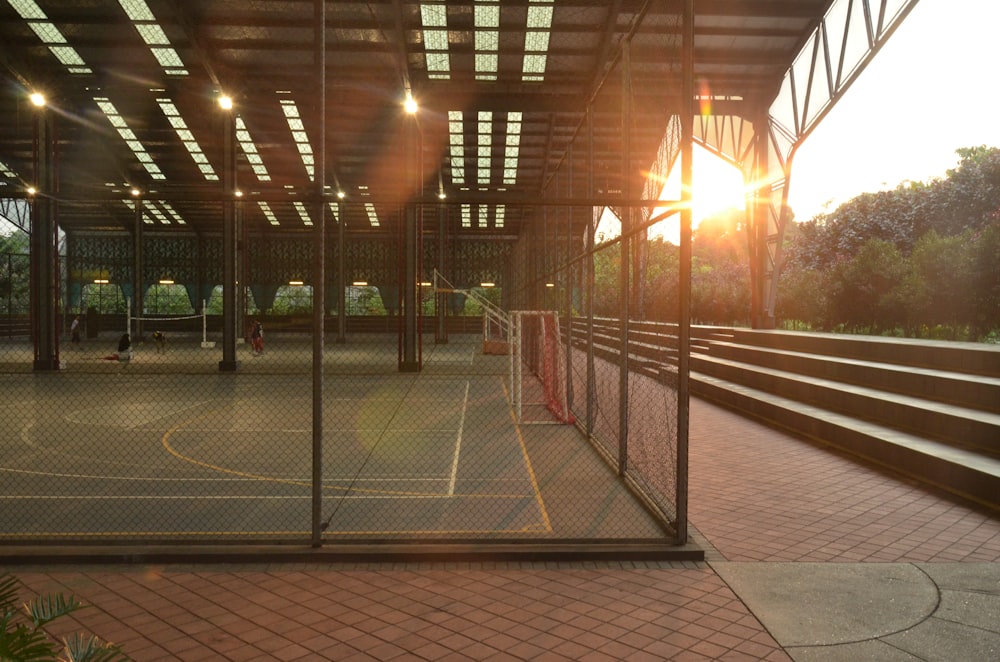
x: 176, y: 327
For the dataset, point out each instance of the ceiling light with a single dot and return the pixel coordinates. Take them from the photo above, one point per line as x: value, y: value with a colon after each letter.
x: 37, y: 99
x: 360, y: 283
x: 296, y: 283
x: 225, y: 102
x: 410, y: 105
x: 487, y: 283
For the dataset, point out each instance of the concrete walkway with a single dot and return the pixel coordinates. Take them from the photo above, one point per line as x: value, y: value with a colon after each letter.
x: 810, y: 556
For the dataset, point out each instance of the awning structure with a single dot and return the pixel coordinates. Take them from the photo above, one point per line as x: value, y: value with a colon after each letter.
x: 133, y: 87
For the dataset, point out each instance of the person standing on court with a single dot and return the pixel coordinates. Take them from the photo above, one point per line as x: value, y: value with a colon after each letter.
x: 74, y: 332
x: 257, y: 337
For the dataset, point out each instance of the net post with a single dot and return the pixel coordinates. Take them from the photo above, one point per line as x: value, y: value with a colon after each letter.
x: 204, y: 326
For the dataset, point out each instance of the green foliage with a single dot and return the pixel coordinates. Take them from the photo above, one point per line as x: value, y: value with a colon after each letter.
x: 920, y: 260
x: 23, y: 637
x: 14, y: 269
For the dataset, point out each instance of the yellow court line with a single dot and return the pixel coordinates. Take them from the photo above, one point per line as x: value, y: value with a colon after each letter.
x: 527, y: 460
x: 165, y: 442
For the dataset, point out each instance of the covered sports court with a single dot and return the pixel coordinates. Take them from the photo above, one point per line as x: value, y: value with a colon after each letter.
x: 433, y: 209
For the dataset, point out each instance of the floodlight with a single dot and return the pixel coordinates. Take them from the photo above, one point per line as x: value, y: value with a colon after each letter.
x: 37, y: 99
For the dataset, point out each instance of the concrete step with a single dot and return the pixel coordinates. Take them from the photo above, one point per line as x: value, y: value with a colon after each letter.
x: 961, y: 357
x: 963, y: 472
x: 959, y: 426
x: 960, y: 389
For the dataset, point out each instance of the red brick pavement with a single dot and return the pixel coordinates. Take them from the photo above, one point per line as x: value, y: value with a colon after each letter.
x: 756, y: 494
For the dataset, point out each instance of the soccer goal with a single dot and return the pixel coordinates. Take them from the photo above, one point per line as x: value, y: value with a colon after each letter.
x: 532, y: 343
x: 538, y: 376
x: 496, y: 322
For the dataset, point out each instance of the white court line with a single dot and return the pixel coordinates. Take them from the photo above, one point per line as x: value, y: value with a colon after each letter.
x: 458, y: 442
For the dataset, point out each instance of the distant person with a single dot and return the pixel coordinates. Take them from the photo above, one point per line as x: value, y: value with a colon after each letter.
x: 74, y: 332
x: 124, y: 348
x: 124, y: 353
x: 161, y: 341
x: 257, y: 337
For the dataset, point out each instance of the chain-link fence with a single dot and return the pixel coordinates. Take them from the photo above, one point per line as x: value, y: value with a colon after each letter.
x: 255, y: 383
x: 145, y: 433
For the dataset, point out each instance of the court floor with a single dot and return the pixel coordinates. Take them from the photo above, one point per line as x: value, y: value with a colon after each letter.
x: 131, y: 455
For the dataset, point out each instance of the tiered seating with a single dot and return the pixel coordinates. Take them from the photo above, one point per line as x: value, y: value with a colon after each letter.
x: 927, y: 409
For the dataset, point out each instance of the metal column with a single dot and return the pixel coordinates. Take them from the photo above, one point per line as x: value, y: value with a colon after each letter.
x: 43, y: 255
x: 229, y: 238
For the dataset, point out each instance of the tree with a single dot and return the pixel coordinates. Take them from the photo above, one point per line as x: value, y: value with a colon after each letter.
x: 872, y: 291
x: 943, y: 269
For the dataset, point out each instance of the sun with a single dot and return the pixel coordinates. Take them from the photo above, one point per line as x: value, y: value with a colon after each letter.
x: 717, y: 187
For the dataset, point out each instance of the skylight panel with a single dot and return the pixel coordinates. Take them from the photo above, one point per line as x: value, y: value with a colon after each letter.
x: 501, y: 212
x: 50, y: 36
x: 250, y: 151
x: 28, y: 10
x: 294, y: 120
x: 268, y: 213
x: 484, y: 216
x: 154, y: 36
x: 536, y: 40
x: 372, y: 216
x: 172, y: 212
x: 5, y: 171
x: 118, y: 122
x: 187, y: 139
x: 485, y: 148
x: 512, y: 148
x: 456, y: 148
x: 466, y: 216
x: 146, y: 218
x: 137, y: 10
x: 335, y: 210
x: 300, y: 207
x: 434, y: 18
x: 486, y: 19
x: 155, y: 212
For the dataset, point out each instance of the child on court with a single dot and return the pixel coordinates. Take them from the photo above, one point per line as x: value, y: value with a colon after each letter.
x: 257, y: 337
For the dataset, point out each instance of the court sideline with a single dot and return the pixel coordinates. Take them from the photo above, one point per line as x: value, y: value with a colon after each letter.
x: 810, y: 556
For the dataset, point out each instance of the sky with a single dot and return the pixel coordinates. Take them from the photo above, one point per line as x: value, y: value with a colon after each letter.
x: 932, y: 89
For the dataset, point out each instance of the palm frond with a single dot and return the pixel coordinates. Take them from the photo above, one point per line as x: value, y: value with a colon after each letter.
x: 9, y: 586
x: 86, y: 648
x: 19, y: 642
x: 46, y: 608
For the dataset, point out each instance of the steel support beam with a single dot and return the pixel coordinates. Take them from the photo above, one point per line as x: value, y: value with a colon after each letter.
x: 43, y: 258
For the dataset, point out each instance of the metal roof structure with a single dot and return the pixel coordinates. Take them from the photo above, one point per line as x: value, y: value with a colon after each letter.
x: 504, y: 90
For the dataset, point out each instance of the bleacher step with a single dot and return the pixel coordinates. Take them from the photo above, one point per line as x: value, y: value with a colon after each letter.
x: 962, y: 472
